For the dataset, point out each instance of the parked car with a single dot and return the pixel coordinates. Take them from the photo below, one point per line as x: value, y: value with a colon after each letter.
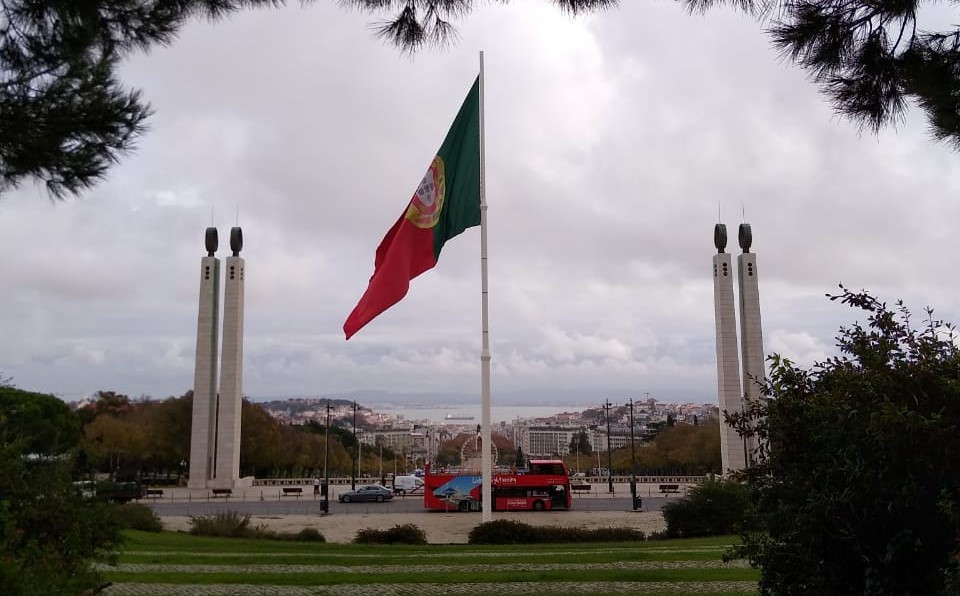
x: 113, y: 492
x: 407, y: 484
x: 370, y: 492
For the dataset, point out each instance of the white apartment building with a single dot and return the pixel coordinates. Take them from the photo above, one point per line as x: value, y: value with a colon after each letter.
x: 396, y: 439
x: 545, y: 441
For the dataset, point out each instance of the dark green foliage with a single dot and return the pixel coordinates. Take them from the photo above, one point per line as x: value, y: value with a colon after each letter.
x: 399, y: 534
x: 137, y: 516
x: 502, y: 531
x: 228, y: 524
x: 858, y: 481
x: 712, y: 508
x: 305, y: 535
x: 231, y: 524
x: 513, y: 532
x: 65, y: 118
x: 580, y: 443
x: 419, y: 22
x: 38, y: 423
x: 49, y: 535
x: 869, y: 57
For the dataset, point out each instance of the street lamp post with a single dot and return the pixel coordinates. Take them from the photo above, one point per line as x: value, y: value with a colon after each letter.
x: 633, y: 462
x: 355, y: 472
x: 578, y: 449
x: 380, y: 444
x: 326, y: 470
x: 606, y: 408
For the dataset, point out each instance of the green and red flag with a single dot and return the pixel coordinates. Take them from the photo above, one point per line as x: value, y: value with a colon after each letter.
x: 446, y: 202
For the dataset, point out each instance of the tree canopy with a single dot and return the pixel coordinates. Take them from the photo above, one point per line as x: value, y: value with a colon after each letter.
x: 869, y: 57
x: 857, y: 487
x: 49, y: 535
x: 419, y: 22
x: 37, y: 423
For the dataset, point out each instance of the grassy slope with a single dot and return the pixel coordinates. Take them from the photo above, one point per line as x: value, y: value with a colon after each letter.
x: 176, y: 558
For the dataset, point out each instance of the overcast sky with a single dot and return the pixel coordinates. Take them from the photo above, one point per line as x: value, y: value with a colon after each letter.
x: 614, y: 142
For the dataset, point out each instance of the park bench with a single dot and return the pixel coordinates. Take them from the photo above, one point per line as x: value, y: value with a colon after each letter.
x: 580, y: 486
x: 221, y: 492
x: 155, y: 493
x: 669, y: 488
x: 290, y: 491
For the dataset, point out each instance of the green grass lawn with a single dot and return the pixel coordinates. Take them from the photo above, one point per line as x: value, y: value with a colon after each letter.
x: 179, y: 564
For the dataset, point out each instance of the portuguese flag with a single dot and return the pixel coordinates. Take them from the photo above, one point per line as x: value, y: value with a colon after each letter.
x: 446, y: 202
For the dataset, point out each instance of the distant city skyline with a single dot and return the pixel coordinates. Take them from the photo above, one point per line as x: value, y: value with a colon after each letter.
x: 467, y: 416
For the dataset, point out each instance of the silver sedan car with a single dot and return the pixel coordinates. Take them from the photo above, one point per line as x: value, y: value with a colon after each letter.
x: 370, y: 492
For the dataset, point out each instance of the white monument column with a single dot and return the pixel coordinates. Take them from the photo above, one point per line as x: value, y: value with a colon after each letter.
x: 751, y: 333
x: 231, y: 368
x: 732, y: 447
x: 204, y: 421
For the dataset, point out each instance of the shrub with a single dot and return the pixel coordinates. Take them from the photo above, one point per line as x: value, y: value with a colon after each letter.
x: 514, y: 532
x: 229, y: 524
x: 305, y: 535
x: 712, y: 508
x: 399, y: 534
x: 658, y: 535
x: 502, y: 531
x: 137, y: 516
x: 857, y: 487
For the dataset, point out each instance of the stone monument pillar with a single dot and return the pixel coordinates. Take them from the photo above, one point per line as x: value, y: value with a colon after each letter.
x: 204, y: 422
x: 751, y: 333
x: 231, y: 368
x: 732, y: 447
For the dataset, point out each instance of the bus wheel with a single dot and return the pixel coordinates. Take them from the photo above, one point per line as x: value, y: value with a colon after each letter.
x: 464, y: 506
x: 538, y: 505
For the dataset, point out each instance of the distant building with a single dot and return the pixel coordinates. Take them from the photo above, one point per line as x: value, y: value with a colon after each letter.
x: 543, y: 441
x: 395, y: 439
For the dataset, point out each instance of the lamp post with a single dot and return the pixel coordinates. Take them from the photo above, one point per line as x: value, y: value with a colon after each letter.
x: 355, y: 472
x: 380, y: 444
x: 606, y: 409
x: 633, y: 462
x: 326, y: 470
x: 579, y: 436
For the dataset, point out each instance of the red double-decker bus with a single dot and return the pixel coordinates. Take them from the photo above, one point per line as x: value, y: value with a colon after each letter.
x: 544, y: 486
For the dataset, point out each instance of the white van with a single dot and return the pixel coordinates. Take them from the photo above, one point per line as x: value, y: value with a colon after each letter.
x: 406, y: 484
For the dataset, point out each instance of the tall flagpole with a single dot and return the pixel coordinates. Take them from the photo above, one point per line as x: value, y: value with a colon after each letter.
x: 485, y: 444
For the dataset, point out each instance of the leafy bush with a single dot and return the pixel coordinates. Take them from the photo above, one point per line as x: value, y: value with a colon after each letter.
x: 399, y: 534
x: 228, y: 524
x: 137, y: 516
x: 857, y: 484
x: 502, y: 531
x: 50, y: 536
x: 231, y: 524
x: 514, y: 532
x: 713, y: 508
x: 304, y: 535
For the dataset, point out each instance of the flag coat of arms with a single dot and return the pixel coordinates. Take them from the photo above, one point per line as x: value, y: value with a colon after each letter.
x: 445, y: 203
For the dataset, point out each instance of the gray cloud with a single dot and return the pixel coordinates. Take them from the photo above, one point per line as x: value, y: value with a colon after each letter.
x: 612, y: 142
